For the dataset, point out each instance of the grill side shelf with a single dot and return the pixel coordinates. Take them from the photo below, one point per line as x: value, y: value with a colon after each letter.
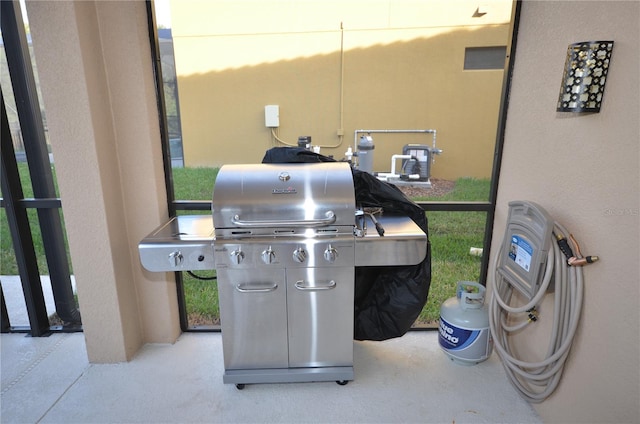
x: 403, y: 243
x: 185, y: 243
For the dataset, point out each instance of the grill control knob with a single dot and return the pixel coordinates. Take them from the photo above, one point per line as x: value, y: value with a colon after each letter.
x: 268, y: 256
x: 237, y: 256
x: 176, y: 258
x: 299, y: 255
x: 330, y: 254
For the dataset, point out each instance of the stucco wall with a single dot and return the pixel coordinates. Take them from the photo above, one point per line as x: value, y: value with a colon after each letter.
x: 334, y: 67
x: 584, y: 170
x: 97, y: 85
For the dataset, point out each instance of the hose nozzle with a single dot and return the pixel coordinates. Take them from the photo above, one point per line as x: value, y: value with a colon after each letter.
x: 582, y: 261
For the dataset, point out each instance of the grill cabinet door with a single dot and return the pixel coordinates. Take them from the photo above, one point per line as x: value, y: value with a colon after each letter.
x: 320, y: 312
x: 253, y: 315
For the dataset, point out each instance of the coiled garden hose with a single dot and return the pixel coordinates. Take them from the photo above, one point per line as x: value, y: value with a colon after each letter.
x: 536, y: 381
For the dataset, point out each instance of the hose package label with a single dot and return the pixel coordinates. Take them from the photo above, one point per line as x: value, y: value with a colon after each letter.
x: 521, y: 252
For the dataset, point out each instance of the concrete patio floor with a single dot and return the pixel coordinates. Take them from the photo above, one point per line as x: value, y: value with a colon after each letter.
x: 408, y: 380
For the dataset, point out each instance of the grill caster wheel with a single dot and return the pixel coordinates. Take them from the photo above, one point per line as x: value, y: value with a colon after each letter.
x: 240, y: 386
x: 342, y: 382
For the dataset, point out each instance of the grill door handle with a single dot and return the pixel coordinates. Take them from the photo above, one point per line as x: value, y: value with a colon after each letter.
x: 330, y: 218
x: 300, y: 285
x: 255, y: 288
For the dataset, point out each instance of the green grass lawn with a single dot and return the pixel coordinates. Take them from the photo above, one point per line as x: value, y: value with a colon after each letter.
x: 8, y: 264
x: 452, y: 234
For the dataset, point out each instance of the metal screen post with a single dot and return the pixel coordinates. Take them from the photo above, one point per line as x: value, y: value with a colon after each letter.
x: 21, y: 233
x: 5, y: 324
x: 166, y: 147
x: 25, y: 92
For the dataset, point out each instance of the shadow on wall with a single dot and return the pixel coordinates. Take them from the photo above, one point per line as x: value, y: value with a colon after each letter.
x: 420, y: 84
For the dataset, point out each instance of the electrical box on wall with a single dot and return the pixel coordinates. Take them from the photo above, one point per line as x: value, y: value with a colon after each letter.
x: 272, y: 116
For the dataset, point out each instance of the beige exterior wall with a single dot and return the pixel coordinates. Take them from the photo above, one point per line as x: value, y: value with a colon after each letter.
x: 584, y: 170
x: 97, y: 84
x: 394, y: 65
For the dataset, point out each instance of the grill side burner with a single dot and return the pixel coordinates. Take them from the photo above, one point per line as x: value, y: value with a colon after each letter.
x: 182, y: 244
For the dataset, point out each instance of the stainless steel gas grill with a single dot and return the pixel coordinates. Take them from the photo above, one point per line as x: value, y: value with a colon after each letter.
x: 285, y: 240
x: 284, y: 257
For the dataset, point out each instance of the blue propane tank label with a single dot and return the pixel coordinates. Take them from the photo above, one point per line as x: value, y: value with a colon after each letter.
x: 471, y: 345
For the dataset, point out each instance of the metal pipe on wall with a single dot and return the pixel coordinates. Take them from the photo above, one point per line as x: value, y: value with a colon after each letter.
x: 427, y: 131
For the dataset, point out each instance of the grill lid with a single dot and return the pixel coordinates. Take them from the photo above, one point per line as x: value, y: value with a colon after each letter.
x: 299, y: 195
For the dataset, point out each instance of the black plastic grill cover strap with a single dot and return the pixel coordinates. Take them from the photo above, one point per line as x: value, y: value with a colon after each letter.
x: 387, y: 299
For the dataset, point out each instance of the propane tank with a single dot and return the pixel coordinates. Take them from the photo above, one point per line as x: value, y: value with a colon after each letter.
x: 365, y: 154
x: 464, y: 326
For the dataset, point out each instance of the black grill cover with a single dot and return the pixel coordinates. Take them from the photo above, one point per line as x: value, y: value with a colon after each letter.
x: 387, y: 299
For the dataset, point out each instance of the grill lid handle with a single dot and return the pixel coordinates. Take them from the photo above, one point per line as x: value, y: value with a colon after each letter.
x: 330, y: 218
